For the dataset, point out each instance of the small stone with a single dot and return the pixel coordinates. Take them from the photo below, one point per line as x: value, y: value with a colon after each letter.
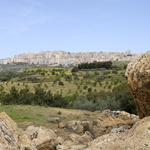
x: 61, y: 125
x: 53, y: 120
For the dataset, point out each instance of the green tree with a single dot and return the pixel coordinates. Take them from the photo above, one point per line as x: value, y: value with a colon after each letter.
x: 122, y: 94
x: 90, y: 89
x: 1, y: 88
x: 25, y: 97
x: 48, y: 99
x: 39, y: 96
x: 12, y: 97
x: 53, y: 72
x: 75, y: 69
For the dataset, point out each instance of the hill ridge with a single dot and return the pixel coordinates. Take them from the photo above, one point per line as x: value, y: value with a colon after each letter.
x: 65, y: 58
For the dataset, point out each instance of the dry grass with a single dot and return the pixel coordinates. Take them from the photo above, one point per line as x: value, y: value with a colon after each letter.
x: 25, y: 115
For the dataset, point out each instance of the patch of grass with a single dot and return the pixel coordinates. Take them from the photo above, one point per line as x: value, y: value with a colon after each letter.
x: 25, y: 115
x: 59, y: 113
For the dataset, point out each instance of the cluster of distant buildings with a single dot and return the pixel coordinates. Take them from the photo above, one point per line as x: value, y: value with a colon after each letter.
x: 64, y: 58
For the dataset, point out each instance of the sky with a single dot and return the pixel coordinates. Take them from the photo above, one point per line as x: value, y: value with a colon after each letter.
x: 74, y: 26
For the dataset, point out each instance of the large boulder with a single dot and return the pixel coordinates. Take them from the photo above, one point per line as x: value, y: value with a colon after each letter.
x: 76, y: 142
x: 11, y: 136
x: 138, y: 76
x: 42, y: 138
x: 8, y: 132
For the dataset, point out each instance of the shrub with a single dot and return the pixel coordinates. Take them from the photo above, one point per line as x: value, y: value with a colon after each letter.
x: 109, y: 86
x: 123, y: 95
x: 53, y: 72
x: 95, y: 83
x: 1, y: 87
x: 90, y: 89
x: 59, y: 112
x: 115, y: 72
x: 61, y: 83
x: 84, y: 104
x: 96, y: 73
x: 101, y: 104
x: 100, y: 83
x: 85, y: 87
x: 75, y: 69
x: 68, y: 78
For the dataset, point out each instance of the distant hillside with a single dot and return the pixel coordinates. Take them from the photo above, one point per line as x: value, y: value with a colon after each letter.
x: 64, y: 58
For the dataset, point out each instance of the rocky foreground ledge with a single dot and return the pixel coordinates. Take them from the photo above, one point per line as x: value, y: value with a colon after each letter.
x: 121, y: 130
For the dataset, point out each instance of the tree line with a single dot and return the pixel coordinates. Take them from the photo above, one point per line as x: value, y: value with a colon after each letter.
x: 117, y: 99
x: 93, y: 65
x: 38, y: 97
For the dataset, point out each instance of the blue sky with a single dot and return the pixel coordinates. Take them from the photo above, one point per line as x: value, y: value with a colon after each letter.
x: 74, y: 25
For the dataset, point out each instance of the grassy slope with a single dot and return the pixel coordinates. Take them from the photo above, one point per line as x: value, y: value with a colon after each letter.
x: 37, y: 116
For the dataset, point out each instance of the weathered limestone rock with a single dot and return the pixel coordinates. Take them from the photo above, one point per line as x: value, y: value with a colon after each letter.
x: 11, y: 137
x: 77, y: 142
x: 40, y: 138
x: 25, y: 142
x: 137, y: 138
x: 107, y: 122
x: 54, y: 120
x: 112, y: 122
x: 43, y: 139
x: 75, y: 126
x: 61, y: 147
x: 8, y: 132
x: 34, y: 138
x: 61, y: 125
x: 138, y: 76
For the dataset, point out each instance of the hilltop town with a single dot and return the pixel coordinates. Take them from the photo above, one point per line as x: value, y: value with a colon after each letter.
x: 65, y: 58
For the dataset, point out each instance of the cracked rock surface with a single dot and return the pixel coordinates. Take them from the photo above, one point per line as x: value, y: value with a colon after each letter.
x: 138, y: 76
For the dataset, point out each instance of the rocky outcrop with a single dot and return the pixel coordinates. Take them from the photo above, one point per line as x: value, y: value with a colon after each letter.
x: 118, y: 137
x: 8, y: 136
x: 138, y: 76
x: 136, y: 138
x: 107, y: 122
x: 77, y: 142
x: 11, y: 137
x: 34, y: 138
x: 42, y: 138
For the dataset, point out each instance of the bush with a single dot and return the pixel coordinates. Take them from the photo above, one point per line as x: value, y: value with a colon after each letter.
x: 95, y: 83
x: 53, y: 72
x: 109, y: 86
x: 61, y: 83
x: 1, y: 87
x: 85, y: 87
x: 90, y: 89
x: 68, y: 78
x: 84, y: 104
x: 91, y: 105
x: 119, y: 99
x: 115, y: 72
x: 123, y: 95
x: 75, y: 69
x: 59, y: 112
